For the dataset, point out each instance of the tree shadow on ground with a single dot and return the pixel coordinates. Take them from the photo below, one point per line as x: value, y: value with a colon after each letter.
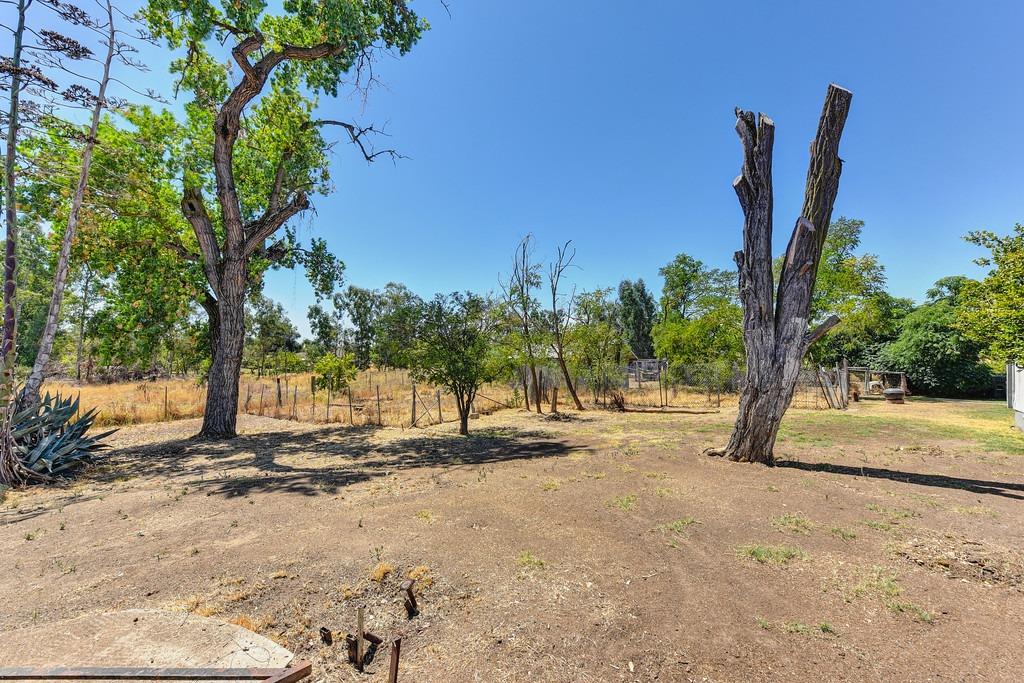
x: 316, y: 461
x: 995, y: 488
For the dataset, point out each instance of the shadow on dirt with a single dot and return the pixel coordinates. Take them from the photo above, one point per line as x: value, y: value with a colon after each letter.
x: 995, y: 488
x: 317, y: 461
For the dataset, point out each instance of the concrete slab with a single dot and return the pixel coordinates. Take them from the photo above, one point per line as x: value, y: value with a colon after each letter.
x: 140, y: 637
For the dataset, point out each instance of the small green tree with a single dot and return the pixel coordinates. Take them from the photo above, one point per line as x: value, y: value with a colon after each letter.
x: 455, y: 349
x: 594, y: 344
x: 334, y: 373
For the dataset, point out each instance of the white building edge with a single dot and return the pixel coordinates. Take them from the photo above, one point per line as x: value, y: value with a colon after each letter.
x: 1015, y: 392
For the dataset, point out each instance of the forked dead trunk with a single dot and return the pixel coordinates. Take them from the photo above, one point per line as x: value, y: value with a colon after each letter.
x: 775, y: 320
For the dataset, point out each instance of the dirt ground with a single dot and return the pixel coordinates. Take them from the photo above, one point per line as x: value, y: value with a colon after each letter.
x: 886, y: 546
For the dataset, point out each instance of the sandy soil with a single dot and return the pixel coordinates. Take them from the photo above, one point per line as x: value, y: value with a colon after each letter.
x: 886, y: 546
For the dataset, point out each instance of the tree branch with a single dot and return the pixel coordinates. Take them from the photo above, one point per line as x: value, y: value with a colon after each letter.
x: 267, y: 224
x: 820, y: 331
x: 356, y: 134
x: 194, y: 209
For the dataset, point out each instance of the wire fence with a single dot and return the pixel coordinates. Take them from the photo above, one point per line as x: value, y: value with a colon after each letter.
x: 391, y: 398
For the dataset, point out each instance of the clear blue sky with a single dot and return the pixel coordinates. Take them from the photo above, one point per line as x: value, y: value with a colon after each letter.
x: 611, y: 124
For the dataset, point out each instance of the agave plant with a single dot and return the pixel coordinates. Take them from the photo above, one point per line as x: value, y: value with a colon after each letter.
x: 47, y: 438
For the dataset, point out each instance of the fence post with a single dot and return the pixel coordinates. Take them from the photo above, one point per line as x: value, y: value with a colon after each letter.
x: 440, y: 420
x: 278, y: 381
x: 351, y: 417
x: 379, y: 422
x: 165, y: 402
x: 412, y: 422
x: 328, y: 406
x: 295, y: 401
x: 262, y: 389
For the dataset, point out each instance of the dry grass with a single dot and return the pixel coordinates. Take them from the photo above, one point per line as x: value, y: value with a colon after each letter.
x: 382, y: 571
x: 129, y: 403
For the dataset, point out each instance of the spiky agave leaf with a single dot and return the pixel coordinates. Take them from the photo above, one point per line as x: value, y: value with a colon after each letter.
x: 47, y: 438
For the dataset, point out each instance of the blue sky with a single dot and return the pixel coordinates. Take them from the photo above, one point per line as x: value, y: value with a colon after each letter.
x: 611, y: 124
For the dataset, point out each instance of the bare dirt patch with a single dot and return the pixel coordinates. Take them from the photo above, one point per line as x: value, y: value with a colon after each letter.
x: 604, y: 548
x: 962, y: 558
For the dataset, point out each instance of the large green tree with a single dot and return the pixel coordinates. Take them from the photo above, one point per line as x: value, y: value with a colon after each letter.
x: 397, y: 323
x: 257, y: 144
x: 992, y: 310
x: 851, y: 285
x: 690, y: 286
x: 636, y: 316
x: 938, y: 358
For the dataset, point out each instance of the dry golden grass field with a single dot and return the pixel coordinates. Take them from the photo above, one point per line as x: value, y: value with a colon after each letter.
x: 127, y: 403
x: 885, y: 546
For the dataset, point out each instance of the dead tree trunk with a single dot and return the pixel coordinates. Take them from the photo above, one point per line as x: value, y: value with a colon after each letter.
x: 775, y: 332
x: 562, y: 318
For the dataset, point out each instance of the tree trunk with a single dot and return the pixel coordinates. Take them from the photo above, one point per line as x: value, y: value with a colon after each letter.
x: 12, y: 472
x: 775, y: 324
x: 568, y: 381
x: 526, y: 388
x: 81, y: 325
x: 35, y: 379
x: 10, y: 327
x: 536, y: 387
x: 221, y: 415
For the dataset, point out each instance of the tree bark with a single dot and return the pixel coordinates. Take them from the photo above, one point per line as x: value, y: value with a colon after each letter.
x: 775, y: 324
x: 81, y: 325
x: 12, y: 472
x: 10, y: 326
x: 221, y: 413
x: 536, y: 386
x: 35, y: 379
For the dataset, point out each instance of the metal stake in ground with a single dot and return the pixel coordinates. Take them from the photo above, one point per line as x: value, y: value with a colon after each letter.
x: 396, y: 652
x: 360, y: 640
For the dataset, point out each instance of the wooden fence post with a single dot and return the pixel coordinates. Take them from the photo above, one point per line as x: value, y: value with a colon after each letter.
x: 379, y: 422
x: 165, y: 403
x: 295, y: 401
x: 440, y: 420
x: 328, y: 406
x: 412, y: 423
x: 262, y: 389
x: 351, y: 414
